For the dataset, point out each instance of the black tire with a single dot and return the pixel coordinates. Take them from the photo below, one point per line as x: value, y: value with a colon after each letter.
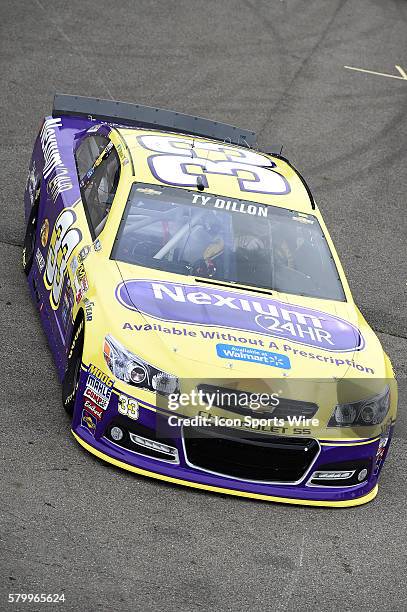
x: 71, y: 379
x: 29, y: 240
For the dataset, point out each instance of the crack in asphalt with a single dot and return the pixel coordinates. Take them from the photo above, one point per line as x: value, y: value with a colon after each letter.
x: 305, y: 61
x: 73, y: 46
x: 383, y: 331
x: 11, y: 243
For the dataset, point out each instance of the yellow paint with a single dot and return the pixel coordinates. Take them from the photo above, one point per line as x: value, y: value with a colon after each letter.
x: 351, y: 442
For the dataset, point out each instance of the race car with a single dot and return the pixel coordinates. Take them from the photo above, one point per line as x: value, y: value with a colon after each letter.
x: 197, y: 311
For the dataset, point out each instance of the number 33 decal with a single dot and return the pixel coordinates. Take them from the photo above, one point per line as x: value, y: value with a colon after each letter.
x: 128, y: 406
x: 177, y: 163
x: 63, y: 241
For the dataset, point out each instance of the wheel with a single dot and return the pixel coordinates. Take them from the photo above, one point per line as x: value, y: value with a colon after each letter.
x: 71, y: 379
x: 29, y: 239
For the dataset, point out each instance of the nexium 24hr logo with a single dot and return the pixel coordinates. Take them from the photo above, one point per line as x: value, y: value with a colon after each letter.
x: 190, y: 304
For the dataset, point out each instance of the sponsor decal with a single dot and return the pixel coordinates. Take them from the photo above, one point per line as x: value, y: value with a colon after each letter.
x: 44, y: 233
x: 148, y: 191
x: 80, y: 282
x: 97, y: 245
x: 33, y: 181
x: 63, y: 241
x: 303, y: 218
x: 74, y: 265
x: 89, y: 422
x: 93, y: 409
x: 381, y: 450
x: 100, y: 375
x: 254, y: 355
x: 40, y: 260
x: 84, y: 253
x: 52, y: 159
x: 67, y: 304
x: 120, y: 151
x: 88, y: 309
x: 214, y: 336
x: 93, y: 128
x: 98, y: 387
x: 179, y: 303
x: 122, y: 155
x: 99, y: 400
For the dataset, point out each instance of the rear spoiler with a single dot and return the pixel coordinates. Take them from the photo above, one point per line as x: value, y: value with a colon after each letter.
x: 150, y: 117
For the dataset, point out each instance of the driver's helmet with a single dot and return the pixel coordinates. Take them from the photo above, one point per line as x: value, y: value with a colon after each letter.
x: 214, y: 249
x: 249, y: 243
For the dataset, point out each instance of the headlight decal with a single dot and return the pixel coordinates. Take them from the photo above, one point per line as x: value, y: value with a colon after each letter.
x: 136, y: 371
x: 364, y: 413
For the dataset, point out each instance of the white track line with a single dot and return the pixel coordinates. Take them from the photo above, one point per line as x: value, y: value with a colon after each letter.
x: 403, y: 76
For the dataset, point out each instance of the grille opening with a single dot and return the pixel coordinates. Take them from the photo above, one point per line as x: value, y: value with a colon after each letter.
x: 261, y: 458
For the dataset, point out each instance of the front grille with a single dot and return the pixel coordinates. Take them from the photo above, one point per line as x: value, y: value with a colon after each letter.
x: 260, y: 458
x: 285, y: 408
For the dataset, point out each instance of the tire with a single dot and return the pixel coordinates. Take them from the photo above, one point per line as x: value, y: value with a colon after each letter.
x: 29, y: 239
x: 72, y: 373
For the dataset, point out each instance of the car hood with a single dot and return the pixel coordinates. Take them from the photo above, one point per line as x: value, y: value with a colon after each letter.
x: 250, y: 333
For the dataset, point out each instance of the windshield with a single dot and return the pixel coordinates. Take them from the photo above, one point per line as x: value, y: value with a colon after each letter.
x: 233, y: 241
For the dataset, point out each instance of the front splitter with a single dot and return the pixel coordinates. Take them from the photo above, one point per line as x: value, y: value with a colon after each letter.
x: 358, y: 501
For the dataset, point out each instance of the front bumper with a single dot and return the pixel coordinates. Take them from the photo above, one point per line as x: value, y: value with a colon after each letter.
x: 177, y: 467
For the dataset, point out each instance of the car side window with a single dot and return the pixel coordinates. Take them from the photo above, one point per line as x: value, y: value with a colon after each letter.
x: 98, y: 167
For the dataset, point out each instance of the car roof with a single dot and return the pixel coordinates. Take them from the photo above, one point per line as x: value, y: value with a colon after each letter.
x: 297, y: 196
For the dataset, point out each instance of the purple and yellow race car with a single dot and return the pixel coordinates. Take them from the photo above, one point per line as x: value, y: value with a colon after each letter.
x: 197, y: 311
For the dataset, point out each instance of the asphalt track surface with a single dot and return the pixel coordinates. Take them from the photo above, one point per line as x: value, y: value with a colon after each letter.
x: 110, y: 540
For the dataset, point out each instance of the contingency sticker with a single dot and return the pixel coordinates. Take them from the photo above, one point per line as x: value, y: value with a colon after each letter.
x: 255, y: 355
x: 98, y: 387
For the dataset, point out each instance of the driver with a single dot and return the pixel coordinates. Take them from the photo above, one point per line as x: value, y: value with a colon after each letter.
x: 247, y: 255
x: 211, y: 258
x: 249, y: 250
